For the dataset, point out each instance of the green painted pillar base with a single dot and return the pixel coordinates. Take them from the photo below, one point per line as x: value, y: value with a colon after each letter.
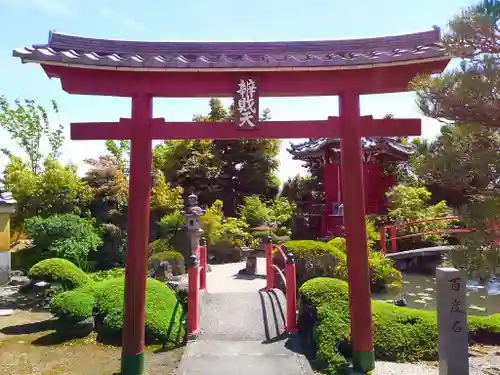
x: 363, y: 362
x: 132, y: 364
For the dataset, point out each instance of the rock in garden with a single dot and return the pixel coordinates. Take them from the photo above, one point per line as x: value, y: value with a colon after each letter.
x: 19, y: 280
x: 6, y: 312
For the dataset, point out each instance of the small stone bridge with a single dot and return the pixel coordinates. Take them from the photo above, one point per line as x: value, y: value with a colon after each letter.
x: 423, y: 252
x: 238, y: 323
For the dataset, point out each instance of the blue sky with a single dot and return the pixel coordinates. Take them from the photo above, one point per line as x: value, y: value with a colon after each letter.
x: 25, y: 22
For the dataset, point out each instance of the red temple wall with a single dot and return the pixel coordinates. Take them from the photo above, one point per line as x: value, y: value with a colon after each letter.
x: 375, y: 187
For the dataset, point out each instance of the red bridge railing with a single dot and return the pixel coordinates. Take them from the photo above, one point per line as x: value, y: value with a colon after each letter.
x: 197, y: 280
x: 289, y: 279
x: 393, y: 229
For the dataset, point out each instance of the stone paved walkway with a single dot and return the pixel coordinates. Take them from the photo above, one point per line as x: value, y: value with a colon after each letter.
x: 241, y: 329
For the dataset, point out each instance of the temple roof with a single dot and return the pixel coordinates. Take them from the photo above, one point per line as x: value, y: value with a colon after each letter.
x: 64, y: 49
x: 381, y: 145
x: 6, y: 198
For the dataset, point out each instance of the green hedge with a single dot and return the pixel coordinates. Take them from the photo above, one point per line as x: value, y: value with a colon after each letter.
x: 163, y: 311
x: 315, y: 258
x: 400, y: 333
x: 59, y: 270
x: 72, y: 305
x: 173, y: 257
x: 107, y: 274
x: 383, y: 274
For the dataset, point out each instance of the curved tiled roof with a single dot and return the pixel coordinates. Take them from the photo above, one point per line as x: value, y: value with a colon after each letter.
x: 378, y: 144
x: 329, y: 54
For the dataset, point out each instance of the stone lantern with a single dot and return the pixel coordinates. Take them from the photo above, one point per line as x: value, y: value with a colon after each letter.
x: 7, y: 207
x: 192, y: 215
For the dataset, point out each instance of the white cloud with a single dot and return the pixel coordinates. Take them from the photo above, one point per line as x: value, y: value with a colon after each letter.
x: 58, y: 7
x: 124, y: 20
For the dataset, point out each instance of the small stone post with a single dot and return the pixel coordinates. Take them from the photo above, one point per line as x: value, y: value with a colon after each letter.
x: 192, y: 215
x: 453, y: 340
x: 7, y: 207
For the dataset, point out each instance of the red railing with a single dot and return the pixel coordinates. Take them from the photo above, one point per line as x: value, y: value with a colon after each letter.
x: 289, y: 280
x: 393, y: 237
x: 197, y: 280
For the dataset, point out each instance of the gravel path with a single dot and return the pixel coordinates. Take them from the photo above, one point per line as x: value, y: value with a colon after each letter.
x: 224, y: 278
x: 483, y: 361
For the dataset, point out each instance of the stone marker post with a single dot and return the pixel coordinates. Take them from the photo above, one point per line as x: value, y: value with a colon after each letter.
x: 453, y: 340
x: 7, y: 207
x: 192, y: 215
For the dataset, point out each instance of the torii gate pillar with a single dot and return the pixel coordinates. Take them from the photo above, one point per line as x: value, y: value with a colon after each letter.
x: 355, y: 227
x: 138, y: 225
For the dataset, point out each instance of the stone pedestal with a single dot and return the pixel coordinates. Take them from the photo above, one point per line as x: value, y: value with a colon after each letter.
x: 251, y: 264
x: 453, y: 341
x: 5, y: 267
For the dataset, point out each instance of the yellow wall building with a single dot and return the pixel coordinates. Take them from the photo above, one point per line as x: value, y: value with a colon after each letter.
x: 7, y: 207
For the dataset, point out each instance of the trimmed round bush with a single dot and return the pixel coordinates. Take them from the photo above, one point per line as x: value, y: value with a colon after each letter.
x: 160, y: 245
x: 315, y: 259
x: 59, y: 270
x: 72, y: 305
x: 175, y: 259
x: 107, y: 274
x: 383, y: 274
x: 163, y: 311
x: 400, y: 334
x: 324, y: 289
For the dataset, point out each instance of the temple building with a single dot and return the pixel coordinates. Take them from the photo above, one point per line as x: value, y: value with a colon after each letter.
x: 378, y: 153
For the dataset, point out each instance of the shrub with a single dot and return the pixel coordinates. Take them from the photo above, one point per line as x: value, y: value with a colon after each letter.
x: 107, y: 274
x: 26, y: 258
x: 254, y: 211
x: 175, y: 259
x: 64, y: 236
x: 160, y: 246
x: 72, y: 305
x: 314, y: 258
x: 400, y: 333
x: 59, y: 270
x: 383, y: 274
x: 264, y: 234
x: 163, y: 311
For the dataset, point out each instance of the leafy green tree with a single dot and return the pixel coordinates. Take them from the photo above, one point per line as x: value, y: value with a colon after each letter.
x: 121, y: 152
x: 467, y: 98
x: 408, y: 204
x: 64, y: 236
x: 108, y: 207
x: 223, y: 169
x: 296, y: 188
x: 254, y: 211
x: 55, y: 189
x: 28, y: 123
x: 281, y: 213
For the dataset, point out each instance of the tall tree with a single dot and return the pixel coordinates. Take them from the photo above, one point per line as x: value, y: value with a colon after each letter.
x: 56, y: 189
x: 467, y: 97
x: 469, y: 93
x: 221, y: 169
x: 28, y: 123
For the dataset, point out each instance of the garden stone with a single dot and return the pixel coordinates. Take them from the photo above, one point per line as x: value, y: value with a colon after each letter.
x: 453, y: 341
x: 400, y: 302
x: 42, y: 284
x: 6, y: 312
x: 18, y: 273
x: 19, y: 281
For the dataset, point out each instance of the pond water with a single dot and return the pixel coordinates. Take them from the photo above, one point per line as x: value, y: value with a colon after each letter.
x: 419, y: 291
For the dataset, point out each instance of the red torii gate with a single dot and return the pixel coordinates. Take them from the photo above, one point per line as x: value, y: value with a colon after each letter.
x: 143, y: 70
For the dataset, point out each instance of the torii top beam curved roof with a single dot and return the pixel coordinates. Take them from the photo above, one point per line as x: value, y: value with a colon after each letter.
x: 69, y: 50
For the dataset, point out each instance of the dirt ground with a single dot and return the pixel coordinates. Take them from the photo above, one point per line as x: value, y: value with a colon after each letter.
x: 29, y: 346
